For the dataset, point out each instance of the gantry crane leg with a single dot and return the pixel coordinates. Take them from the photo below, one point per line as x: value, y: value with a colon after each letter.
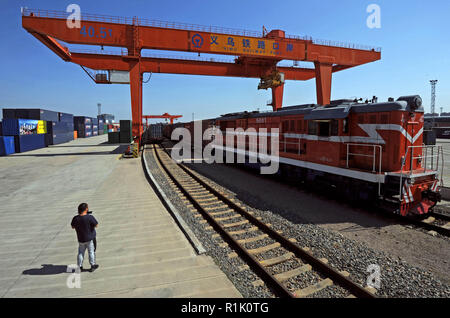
x: 136, y: 100
x: 277, y: 97
x: 323, y: 82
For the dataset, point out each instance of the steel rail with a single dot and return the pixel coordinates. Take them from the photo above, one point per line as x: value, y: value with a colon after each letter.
x: 355, y: 289
x: 441, y: 216
x: 274, y: 283
x: 430, y: 226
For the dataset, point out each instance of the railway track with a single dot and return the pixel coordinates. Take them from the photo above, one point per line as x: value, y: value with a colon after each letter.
x: 436, y: 221
x: 253, y: 240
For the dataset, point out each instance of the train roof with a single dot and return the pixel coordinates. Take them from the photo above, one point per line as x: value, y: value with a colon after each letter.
x: 335, y: 110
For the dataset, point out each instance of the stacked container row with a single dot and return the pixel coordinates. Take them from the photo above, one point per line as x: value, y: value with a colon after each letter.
x: 27, y: 127
x: 125, y: 131
x: 83, y: 126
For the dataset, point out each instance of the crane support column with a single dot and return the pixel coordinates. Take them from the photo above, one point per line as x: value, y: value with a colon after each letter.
x: 277, y: 97
x: 323, y: 82
x: 136, y: 100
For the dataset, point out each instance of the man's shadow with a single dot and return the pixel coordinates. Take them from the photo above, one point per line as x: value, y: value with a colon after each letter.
x: 47, y: 269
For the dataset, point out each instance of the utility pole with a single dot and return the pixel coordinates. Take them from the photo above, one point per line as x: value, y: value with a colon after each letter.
x: 433, y: 98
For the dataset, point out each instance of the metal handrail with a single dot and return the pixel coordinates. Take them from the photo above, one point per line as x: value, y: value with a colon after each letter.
x: 187, y: 26
x: 440, y: 154
x: 374, y: 156
x: 292, y: 143
x: 375, y: 147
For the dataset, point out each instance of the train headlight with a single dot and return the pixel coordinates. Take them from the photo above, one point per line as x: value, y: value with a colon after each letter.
x: 414, y: 101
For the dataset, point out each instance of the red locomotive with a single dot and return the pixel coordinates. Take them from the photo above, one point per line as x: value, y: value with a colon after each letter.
x: 365, y: 151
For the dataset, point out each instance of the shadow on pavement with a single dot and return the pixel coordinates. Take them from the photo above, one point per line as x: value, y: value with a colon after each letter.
x: 120, y: 149
x: 47, y: 269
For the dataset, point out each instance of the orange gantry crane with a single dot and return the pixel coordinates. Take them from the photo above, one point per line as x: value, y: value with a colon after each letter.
x: 257, y: 53
x: 164, y: 116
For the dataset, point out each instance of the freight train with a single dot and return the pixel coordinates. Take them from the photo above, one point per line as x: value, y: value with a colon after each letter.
x: 439, y: 125
x: 370, y: 152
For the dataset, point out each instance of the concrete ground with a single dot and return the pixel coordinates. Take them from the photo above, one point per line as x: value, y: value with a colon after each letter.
x: 445, y: 143
x: 141, y: 251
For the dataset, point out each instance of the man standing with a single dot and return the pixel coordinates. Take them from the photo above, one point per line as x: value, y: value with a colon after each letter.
x: 85, y: 225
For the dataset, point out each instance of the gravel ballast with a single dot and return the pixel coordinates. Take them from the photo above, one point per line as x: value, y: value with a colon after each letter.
x: 398, y: 278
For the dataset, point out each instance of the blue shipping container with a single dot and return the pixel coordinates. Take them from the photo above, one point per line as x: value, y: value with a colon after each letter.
x: 59, y: 127
x: 57, y: 139
x: 13, y: 127
x: 82, y: 120
x: 9, y: 113
x: 7, y: 146
x: 29, y: 142
x: 64, y: 117
x: 37, y: 114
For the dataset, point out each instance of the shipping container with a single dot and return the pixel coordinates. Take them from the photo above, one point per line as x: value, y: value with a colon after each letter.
x: 84, y: 133
x: 156, y: 131
x: 13, y: 127
x: 107, y: 118
x: 37, y: 114
x: 125, y: 137
x: 9, y: 113
x: 64, y: 117
x: 125, y: 125
x: 7, y: 145
x: 57, y: 139
x: 82, y: 120
x: 113, y: 137
x: 29, y: 142
x: 59, y: 127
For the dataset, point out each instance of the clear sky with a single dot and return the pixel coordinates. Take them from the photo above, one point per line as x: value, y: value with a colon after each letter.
x: 414, y: 37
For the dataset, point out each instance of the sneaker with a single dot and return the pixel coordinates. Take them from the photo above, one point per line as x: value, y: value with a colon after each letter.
x: 93, y: 268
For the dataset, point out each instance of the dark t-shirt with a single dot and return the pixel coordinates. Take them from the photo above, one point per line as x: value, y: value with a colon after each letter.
x: 85, y: 227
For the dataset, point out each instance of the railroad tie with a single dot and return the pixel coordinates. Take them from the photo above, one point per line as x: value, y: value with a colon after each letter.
x: 212, y: 199
x: 303, y: 292
x: 228, y: 217
x: 252, y: 229
x: 277, y: 260
x: 263, y: 249
x: 252, y: 239
x: 429, y: 220
x: 235, y: 224
x: 221, y: 212
x: 293, y: 272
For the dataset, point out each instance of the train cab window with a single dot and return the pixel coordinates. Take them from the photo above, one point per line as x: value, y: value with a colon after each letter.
x: 324, y: 128
x: 334, y: 128
x: 345, y: 126
x: 312, y: 127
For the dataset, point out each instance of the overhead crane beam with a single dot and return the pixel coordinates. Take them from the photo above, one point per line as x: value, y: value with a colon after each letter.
x: 163, y: 116
x: 258, y: 53
x: 180, y: 66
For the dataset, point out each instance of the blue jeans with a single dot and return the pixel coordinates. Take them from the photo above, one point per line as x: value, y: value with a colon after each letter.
x: 82, y: 248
